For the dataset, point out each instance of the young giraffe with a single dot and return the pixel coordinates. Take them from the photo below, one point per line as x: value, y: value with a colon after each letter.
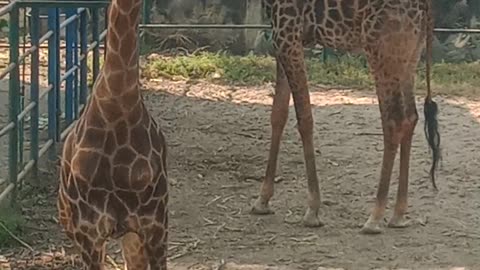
x: 113, y: 169
x: 392, y: 34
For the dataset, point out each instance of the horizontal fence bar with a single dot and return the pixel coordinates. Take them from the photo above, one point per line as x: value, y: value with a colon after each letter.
x: 62, y: 4
x: 267, y: 26
x: 6, y: 129
x: 6, y: 9
x: 27, y: 109
x: 457, y: 30
x: 68, y: 21
x: 204, y: 26
x: 25, y: 170
x: 68, y: 73
x: 67, y: 130
x: 45, y: 148
x: 6, y: 191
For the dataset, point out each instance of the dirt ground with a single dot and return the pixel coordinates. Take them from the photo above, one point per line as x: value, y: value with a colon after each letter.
x: 218, y: 139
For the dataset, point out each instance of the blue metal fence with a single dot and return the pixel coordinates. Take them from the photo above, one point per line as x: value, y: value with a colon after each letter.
x: 73, y: 79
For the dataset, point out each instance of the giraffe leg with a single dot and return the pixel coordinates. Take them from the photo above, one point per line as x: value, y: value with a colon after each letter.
x: 385, y: 86
x: 292, y: 61
x: 398, y: 219
x: 392, y: 62
x: 278, y: 119
x: 85, y: 237
x: 372, y: 226
x: 157, y: 247
x: 92, y: 251
x: 134, y: 252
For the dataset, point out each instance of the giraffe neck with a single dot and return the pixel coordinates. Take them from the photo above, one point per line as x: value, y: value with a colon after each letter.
x: 119, y: 79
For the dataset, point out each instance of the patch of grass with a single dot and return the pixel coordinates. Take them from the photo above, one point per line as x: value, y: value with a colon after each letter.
x: 12, y: 219
x: 213, y: 67
x: 447, y: 78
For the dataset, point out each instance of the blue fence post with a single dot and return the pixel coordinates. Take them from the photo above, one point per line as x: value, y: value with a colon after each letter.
x: 76, y: 94
x: 96, y: 40
x: 58, y: 98
x: 34, y: 88
x: 52, y: 81
x: 83, y: 57
x: 70, y: 32
x: 14, y: 100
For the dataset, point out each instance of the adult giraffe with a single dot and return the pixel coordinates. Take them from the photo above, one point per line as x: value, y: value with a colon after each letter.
x: 392, y: 34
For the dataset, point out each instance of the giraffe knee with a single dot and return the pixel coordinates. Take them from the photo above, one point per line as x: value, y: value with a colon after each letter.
x: 279, y: 117
x: 400, y: 126
x: 305, y: 124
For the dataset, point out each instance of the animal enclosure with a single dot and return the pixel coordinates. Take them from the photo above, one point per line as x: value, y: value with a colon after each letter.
x: 214, y: 109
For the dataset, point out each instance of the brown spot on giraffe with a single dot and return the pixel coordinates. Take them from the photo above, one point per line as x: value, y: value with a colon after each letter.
x: 113, y: 181
x: 392, y: 34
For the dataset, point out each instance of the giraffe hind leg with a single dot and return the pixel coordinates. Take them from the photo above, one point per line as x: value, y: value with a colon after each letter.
x: 278, y: 120
x: 394, y: 79
x: 157, y: 247
x: 398, y: 219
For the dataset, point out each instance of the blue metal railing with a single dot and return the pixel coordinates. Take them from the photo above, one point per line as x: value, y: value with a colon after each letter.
x: 73, y: 79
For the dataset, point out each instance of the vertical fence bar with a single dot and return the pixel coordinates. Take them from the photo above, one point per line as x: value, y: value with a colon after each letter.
x: 22, y: 81
x: 105, y: 25
x: 34, y: 88
x: 145, y: 20
x: 58, y: 99
x: 14, y: 99
x: 69, y: 91
x: 52, y: 80
x: 96, y: 39
x: 83, y: 62
x: 75, y: 63
x: 146, y: 12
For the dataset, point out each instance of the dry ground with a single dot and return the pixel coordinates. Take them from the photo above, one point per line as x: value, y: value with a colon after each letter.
x: 218, y: 140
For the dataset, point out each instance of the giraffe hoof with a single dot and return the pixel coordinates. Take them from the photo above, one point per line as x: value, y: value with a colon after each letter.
x: 371, y: 227
x: 311, y: 219
x: 261, y: 208
x: 398, y: 222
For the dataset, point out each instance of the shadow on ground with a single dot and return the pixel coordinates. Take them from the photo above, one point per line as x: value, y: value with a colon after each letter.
x: 218, y: 140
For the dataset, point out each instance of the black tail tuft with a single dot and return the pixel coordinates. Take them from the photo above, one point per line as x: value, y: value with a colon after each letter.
x: 432, y: 135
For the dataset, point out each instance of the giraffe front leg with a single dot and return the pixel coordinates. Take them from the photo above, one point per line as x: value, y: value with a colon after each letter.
x: 292, y: 61
x: 134, y: 253
x: 278, y: 119
x: 92, y: 251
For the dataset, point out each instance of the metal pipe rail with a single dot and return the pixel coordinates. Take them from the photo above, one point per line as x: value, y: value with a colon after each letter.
x: 74, y: 76
x: 267, y: 26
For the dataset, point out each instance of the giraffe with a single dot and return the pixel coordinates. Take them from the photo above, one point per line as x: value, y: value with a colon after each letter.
x: 392, y: 34
x: 113, y: 180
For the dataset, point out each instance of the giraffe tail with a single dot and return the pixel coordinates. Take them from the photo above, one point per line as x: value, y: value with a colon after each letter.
x: 430, y: 107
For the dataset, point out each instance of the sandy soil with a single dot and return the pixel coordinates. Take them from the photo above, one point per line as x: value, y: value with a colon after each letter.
x: 218, y: 140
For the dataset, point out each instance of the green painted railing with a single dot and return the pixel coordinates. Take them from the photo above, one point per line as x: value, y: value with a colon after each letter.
x: 72, y: 81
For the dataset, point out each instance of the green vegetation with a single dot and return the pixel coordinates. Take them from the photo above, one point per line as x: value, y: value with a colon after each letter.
x: 10, y: 221
x: 447, y: 78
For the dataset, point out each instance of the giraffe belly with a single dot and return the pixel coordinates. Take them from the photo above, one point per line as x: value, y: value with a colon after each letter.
x: 342, y: 38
